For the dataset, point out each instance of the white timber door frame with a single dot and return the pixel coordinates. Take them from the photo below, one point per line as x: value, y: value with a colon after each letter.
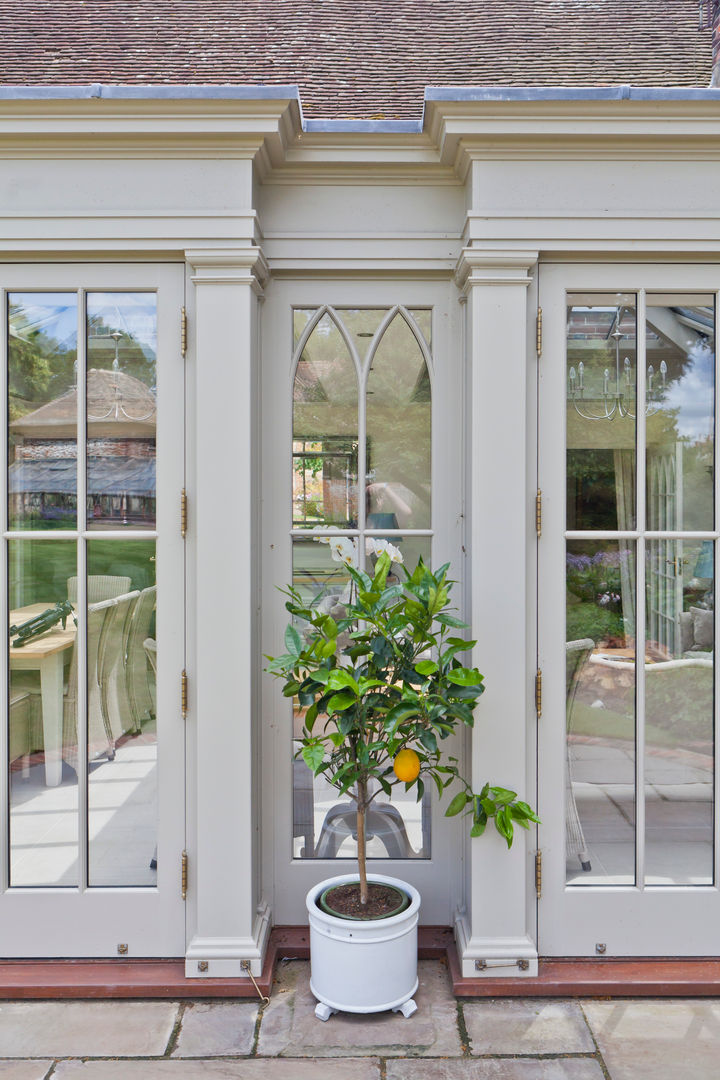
x: 646, y: 916
x: 87, y: 921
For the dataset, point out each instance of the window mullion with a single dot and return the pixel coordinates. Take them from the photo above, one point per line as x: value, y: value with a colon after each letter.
x: 81, y: 612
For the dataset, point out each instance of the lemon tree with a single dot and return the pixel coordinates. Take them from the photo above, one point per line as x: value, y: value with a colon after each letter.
x: 382, y: 688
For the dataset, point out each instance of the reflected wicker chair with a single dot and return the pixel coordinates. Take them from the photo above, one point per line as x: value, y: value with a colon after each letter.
x: 114, y: 702
x: 576, y: 656
x: 139, y: 677
x: 99, y: 587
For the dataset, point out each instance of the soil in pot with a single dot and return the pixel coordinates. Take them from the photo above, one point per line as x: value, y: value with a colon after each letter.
x: 344, y: 901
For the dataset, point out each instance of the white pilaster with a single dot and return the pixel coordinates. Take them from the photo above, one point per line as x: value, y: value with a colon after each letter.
x: 498, y: 925
x: 227, y: 920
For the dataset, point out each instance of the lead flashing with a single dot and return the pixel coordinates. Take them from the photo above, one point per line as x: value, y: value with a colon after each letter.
x: 168, y: 92
x: 570, y: 93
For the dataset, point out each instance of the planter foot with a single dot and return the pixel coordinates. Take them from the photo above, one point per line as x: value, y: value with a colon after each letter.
x: 407, y: 1008
x: 323, y: 1011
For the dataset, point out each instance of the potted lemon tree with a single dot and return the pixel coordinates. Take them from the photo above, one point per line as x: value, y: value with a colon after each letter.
x: 381, y: 682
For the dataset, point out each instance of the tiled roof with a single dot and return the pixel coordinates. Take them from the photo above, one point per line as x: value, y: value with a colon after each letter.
x: 355, y: 58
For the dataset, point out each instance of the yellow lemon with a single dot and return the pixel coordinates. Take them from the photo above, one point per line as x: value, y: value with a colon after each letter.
x: 406, y: 765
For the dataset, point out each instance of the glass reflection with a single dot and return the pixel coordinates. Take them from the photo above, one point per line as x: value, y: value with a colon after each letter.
x: 42, y: 407
x: 122, y: 729
x: 679, y: 744
x: 398, y: 433
x: 600, y: 713
x: 43, y: 714
x: 121, y: 399
x: 680, y: 343
x: 601, y: 409
x: 325, y: 426
x: 323, y: 824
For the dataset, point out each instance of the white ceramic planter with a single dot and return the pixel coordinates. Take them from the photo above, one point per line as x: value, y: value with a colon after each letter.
x: 363, y: 966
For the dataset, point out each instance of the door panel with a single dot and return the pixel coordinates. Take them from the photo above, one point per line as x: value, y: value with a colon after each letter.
x: 92, y: 777
x: 357, y: 379
x: 628, y: 770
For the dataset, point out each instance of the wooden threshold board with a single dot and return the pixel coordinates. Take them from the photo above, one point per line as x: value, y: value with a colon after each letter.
x: 565, y: 977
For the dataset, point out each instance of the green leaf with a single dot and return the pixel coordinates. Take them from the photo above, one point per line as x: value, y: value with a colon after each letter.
x: 461, y: 676
x: 426, y: 667
x: 428, y: 740
x: 313, y: 755
x: 311, y: 717
x: 457, y: 804
x: 340, y: 702
x: 450, y: 620
x: 478, y: 827
x: 345, y: 723
x: 340, y: 678
x: 293, y: 641
x: 399, y: 714
x: 291, y: 688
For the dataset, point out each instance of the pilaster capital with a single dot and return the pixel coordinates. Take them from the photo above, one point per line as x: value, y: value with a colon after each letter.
x: 228, y: 266
x: 489, y: 266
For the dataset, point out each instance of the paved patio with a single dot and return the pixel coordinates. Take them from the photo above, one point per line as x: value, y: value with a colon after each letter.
x: 447, y: 1039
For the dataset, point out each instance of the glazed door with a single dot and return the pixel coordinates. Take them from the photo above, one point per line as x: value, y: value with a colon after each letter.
x: 92, y: 757
x: 627, y: 611
x: 363, y: 436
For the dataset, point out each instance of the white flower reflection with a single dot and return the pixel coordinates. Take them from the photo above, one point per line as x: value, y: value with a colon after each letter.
x: 345, y: 550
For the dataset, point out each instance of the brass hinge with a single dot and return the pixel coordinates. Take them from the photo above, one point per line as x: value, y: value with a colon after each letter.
x: 538, y: 693
x: 538, y: 874
x: 183, y: 874
x: 538, y: 333
x: 183, y: 513
x: 538, y: 512
x: 183, y: 694
x: 183, y: 331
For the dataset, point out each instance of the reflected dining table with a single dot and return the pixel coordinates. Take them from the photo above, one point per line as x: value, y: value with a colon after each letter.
x: 46, y: 654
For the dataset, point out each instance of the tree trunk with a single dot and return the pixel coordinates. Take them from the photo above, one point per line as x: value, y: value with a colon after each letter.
x: 361, y: 809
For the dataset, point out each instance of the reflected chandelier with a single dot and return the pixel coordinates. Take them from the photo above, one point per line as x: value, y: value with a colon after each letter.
x: 613, y: 399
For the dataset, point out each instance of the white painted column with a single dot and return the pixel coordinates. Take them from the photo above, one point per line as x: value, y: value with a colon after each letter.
x: 227, y: 921
x: 498, y: 925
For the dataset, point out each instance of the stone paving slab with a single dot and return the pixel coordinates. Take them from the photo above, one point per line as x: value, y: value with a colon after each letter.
x: 85, y: 1028
x: 290, y: 1027
x: 216, y: 1030
x: 672, y: 1039
x: 503, y: 1069
x: 254, y: 1069
x: 531, y: 1026
x: 24, y: 1070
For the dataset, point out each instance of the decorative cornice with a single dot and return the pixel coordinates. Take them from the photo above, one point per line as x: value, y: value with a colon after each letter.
x: 487, y: 266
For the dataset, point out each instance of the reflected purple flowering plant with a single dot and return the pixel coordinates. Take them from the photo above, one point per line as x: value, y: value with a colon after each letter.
x: 597, y: 578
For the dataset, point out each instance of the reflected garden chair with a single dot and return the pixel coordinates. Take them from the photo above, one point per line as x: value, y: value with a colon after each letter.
x: 99, y: 587
x: 576, y: 656
x: 114, y: 701
x: 139, y: 676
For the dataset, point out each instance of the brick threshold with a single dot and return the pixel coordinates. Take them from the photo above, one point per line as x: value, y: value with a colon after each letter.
x: 558, y: 977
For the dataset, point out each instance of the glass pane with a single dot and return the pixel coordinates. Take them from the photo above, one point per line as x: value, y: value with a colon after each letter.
x: 679, y: 745
x: 42, y: 408
x: 681, y: 412
x: 362, y: 324
x: 121, y: 409
x: 423, y: 318
x: 323, y: 823
x: 122, y: 731
x: 601, y: 387
x: 325, y: 426
x: 43, y: 714
x: 398, y: 433
x: 600, y: 713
